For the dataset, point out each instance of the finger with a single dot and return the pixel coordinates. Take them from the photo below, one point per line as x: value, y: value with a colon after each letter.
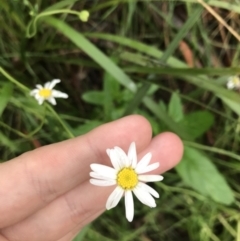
x: 2, y: 238
x: 82, y: 204
x: 38, y: 177
x: 168, y: 147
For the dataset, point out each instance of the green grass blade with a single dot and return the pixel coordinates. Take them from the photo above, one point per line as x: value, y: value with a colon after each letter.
x: 200, y: 81
x: 144, y: 48
x: 110, y: 88
x: 83, y: 43
x: 5, y: 141
x: 181, y: 34
x: 212, y: 149
x: 165, y: 56
x: 134, y: 103
x: 5, y: 95
x: 225, y: 5
x: 14, y: 81
x: 179, y: 71
x: 60, y: 5
x: 131, y: 10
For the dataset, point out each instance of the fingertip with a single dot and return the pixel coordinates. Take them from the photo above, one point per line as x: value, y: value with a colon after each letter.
x: 174, y: 147
x: 167, y: 149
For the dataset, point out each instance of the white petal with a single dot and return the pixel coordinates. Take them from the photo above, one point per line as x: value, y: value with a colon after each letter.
x: 40, y: 101
x: 52, y: 100
x: 132, y: 155
x: 148, y: 189
x: 100, y: 169
x: 108, y: 152
x: 34, y: 92
x: 144, y: 196
x: 102, y: 182
x: 40, y: 87
x: 144, y: 162
x: 103, y: 176
x: 37, y: 97
x: 53, y: 83
x: 116, y: 162
x: 129, y: 206
x: 148, y: 168
x: 230, y: 85
x: 46, y: 85
x: 122, y: 157
x: 59, y: 94
x: 150, y: 178
x: 114, y: 198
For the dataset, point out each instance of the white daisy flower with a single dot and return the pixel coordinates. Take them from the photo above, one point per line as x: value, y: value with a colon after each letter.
x: 233, y: 82
x: 47, y: 92
x: 127, y: 174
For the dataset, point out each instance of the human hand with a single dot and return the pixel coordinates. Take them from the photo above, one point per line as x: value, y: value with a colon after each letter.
x: 46, y: 194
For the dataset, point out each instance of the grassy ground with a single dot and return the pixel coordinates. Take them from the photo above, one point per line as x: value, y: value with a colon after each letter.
x: 166, y: 60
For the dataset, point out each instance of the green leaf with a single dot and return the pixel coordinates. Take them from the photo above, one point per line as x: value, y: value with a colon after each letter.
x: 197, y: 123
x: 5, y: 95
x: 162, y: 106
x: 175, y: 108
x: 94, y: 97
x: 198, y: 172
x: 155, y: 124
x: 166, y: 119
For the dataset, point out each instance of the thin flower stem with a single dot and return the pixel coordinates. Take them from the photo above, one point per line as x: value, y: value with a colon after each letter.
x: 32, y: 26
x: 11, y: 79
x: 212, y: 149
x: 181, y: 190
x: 19, y: 133
x: 60, y: 121
x: 40, y: 126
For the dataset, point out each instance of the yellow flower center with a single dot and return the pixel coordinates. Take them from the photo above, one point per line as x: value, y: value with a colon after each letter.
x: 45, y: 93
x: 127, y: 178
x: 236, y: 80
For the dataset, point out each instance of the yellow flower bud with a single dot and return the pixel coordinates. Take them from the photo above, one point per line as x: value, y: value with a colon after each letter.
x: 84, y: 15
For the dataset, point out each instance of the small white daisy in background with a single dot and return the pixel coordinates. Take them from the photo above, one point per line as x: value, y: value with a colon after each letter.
x: 127, y: 175
x: 233, y: 82
x: 47, y: 92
